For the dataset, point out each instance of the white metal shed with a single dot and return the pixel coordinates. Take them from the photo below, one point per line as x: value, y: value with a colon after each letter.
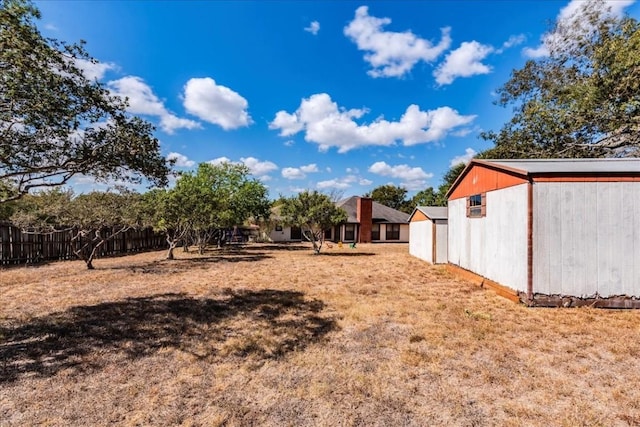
x: 554, y: 232
x: 428, y: 234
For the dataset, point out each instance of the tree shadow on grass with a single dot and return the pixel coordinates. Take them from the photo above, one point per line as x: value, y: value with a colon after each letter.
x: 282, y: 246
x: 347, y: 254
x: 258, y: 325
x: 198, y: 261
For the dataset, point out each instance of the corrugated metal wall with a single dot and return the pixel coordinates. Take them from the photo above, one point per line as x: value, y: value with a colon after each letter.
x: 494, y: 246
x: 586, y: 238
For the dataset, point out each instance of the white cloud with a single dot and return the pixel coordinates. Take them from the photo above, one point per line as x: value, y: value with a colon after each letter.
x: 289, y: 143
x: 572, y: 15
x: 293, y: 173
x: 94, y: 70
x: 219, y: 161
x: 364, y: 182
x: 313, y: 28
x: 310, y: 168
x: 337, y: 183
x: 216, y: 104
x: 464, y: 158
x: 51, y: 27
x: 412, y: 178
x: 142, y: 100
x: 464, y: 61
x: 181, y: 160
x: 258, y: 168
x: 399, y: 171
x: 328, y: 125
x: 513, y: 41
x: 391, y: 54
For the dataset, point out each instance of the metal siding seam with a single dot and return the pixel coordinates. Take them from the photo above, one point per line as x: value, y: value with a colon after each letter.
x: 530, y: 241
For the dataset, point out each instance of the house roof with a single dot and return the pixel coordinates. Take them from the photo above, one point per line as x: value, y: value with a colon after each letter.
x: 431, y: 212
x: 380, y: 213
x: 527, y: 168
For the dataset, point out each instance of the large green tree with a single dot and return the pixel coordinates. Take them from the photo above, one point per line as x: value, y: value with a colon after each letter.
x: 583, y: 100
x: 217, y: 197
x: 313, y: 212
x: 55, y: 123
x: 391, y: 196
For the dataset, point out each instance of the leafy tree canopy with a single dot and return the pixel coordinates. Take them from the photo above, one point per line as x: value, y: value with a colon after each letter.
x: 56, y: 123
x: 313, y: 212
x: 583, y: 100
x: 391, y: 196
x: 216, y: 197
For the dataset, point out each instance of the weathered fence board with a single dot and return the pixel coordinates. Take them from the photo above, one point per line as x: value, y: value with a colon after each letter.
x: 17, y: 247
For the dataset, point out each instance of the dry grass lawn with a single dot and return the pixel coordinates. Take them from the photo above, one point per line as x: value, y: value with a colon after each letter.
x: 272, y: 335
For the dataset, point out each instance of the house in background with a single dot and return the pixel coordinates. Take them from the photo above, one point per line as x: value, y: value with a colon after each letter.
x: 428, y: 234
x: 550, y: 232
x: 367, y: 221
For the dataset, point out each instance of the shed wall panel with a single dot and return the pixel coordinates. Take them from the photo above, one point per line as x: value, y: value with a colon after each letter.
x: 441, y: 242
x: 586, y: 238
x: 494, y: 246
x: 420, y: 240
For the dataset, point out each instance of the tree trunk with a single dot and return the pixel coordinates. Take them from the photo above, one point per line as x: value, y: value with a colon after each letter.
x: 170, y: 252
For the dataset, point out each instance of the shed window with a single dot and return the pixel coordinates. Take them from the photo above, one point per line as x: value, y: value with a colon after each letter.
x: 477, y: 205
x: 393, y: 231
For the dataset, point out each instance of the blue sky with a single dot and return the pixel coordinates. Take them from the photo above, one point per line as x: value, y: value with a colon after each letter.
x: 334, y: 95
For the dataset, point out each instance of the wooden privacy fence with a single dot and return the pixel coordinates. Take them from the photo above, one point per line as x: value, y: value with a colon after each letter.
x: 17, y: 247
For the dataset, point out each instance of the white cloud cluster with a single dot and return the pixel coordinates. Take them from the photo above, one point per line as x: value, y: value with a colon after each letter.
x: 412, y: 178
x: 299, y: 173
x: 219, y: 161
x: 258, y: 168
x: 293, y: 173
x: 572, y: 14
x: 181, y: 160
x: 94, y: 70
x: 142, y: 100
x: 391, y: 54
x: 464, y: 61
x: 313, y: 28
x: 342, y: 183
x: 329, y: 126
x: 216, y: 104
x: 394, y: 54
x: 463, y: 158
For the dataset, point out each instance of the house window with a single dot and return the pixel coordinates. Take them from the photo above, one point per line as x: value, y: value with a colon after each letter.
x: 278, y: 227
x: 477, y: 205
x: 349, y: 232
x: 327, y: 234
x: 393, y: 231
x: 375, y: 232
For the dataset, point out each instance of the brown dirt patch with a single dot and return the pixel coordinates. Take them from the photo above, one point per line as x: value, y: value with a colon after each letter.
x: 272, y: 335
